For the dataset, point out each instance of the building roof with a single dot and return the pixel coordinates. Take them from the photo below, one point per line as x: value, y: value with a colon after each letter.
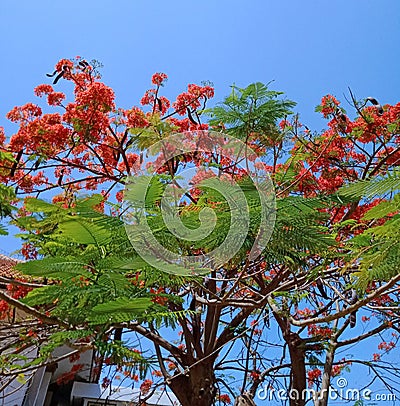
x: 119, y: 395
x: 7, y: 267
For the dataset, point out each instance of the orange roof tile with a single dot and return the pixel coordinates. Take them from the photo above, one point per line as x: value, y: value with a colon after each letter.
x: 7, y: 267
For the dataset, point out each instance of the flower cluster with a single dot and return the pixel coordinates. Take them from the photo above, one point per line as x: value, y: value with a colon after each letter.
x: 313, y: 375
x: 145, y: 386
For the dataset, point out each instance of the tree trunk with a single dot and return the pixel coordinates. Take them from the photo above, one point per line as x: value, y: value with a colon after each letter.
x: 244, y: 400
x: 298, y: 380
x: 197, y: 387
x: 323, y: 395
x: 298, y: 370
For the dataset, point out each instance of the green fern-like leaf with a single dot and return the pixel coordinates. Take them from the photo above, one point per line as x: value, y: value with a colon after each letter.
x: 374, y: 187
x: 54, y: 268
x: 85, y: 232
x: 120, y: 310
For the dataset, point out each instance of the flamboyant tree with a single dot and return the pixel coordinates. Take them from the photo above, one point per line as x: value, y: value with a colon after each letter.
x: 209, y: 327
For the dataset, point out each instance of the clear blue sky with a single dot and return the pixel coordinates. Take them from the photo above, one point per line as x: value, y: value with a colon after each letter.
x: 309, y: 48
